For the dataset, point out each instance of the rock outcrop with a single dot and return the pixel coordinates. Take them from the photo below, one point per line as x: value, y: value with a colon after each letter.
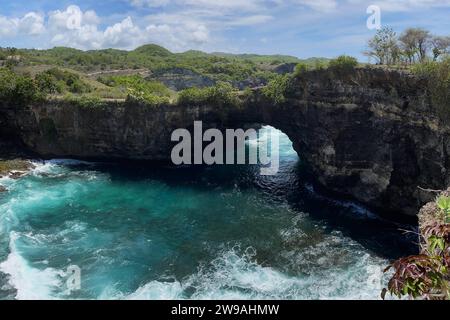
x: 180, y: 78
x: 285, y: 68
x: 370, y: 134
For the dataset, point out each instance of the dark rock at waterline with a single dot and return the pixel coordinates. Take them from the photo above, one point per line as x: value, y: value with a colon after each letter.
x: 17, y: 174
x: 15, y: 168
x: 3, y: 189
x: 352, y: 129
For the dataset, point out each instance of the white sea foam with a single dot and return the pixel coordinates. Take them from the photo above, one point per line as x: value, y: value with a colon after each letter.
x: 238, y: 276
x: 156, y: 290
x: 68, y: 162
x: 56, y: 165
x: 30, y: 283
x: 331, y: 267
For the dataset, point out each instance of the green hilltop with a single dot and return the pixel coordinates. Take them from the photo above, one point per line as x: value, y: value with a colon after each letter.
x: 148, y: 71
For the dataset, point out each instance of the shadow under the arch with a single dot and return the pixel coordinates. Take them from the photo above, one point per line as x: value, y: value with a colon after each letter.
x: 293, y: 186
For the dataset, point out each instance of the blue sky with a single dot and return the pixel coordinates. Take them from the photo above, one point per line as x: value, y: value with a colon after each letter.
x: 302, y: 28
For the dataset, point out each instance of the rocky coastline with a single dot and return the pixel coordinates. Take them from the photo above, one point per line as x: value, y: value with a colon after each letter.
x: 369, y: 134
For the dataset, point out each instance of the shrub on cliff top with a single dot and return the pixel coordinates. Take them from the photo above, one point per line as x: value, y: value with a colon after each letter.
x: 193, y: 96
x: 146, y: 97
x: 276, y: 89
x: 48, y: 84
x: 301, y: 68
x: 136, y: 83
x: 343, y: 63
x: 437, y: 75
x: 83, y: 100
x: 16, y: 89
x: 58, y: 80
x: 222, y: 94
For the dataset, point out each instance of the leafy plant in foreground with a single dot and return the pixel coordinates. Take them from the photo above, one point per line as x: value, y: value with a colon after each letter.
x: 424, y: 276
x: 443, y: 204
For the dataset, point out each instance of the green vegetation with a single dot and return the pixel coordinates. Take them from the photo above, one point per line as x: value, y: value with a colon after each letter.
x: 437, y: 75
x: 85, y: 101
x: 301, y: 68
x: 343, y: 63
x: 277, y: 88
x: 426, y: 276
x: 147, y: 98
x: 136, y: 83
x: 414, y: 45
x: 75, y: 75
x: 89, y: 76
x: 193, y: 96
x: 16, y: 89
x: 56, y: 80
x: 222, y: 94
x: 136, y: 88
x: 219, y: 67
x: 443, y: 204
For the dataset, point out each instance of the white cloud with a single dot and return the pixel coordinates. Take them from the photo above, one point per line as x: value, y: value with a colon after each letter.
x: 8, y: 27
x: 249, y: 20
x: 178, y: 37
x: 406, y: 5
x: 124, y: 34
x: 319, y: 5
x: 403, y: 5
x: 72, y: 18
x: 238, y: 5
x: 75, y: 28
x: 31, y: 23
x: 186, y: 24
x: 223, y: 5
x: 150, y: 3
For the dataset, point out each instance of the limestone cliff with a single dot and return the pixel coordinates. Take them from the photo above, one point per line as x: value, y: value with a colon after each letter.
x: 180, y: 78
x: 370, y: 134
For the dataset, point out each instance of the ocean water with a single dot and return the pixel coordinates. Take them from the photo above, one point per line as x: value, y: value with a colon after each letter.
x: 160, y: 232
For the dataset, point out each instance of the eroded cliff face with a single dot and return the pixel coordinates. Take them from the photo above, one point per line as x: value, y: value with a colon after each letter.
x: 370, y: 134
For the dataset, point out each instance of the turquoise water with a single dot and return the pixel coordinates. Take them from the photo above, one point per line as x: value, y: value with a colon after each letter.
x: 156, y: 232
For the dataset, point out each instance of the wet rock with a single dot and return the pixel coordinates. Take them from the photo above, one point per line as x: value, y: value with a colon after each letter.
x: 16, y: 168
x: 17, y: 174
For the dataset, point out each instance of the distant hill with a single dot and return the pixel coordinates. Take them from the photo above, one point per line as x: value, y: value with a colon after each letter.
x: 154, y: 57
x: 152, y: 50
x: 155, y: 63
x: 259, y: 58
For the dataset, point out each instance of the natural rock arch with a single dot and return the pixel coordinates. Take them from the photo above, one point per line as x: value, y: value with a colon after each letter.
x: 370, y: 134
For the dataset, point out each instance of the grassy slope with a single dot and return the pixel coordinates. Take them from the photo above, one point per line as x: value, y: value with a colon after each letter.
x: 154, y: 58
x: 217, y: 66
